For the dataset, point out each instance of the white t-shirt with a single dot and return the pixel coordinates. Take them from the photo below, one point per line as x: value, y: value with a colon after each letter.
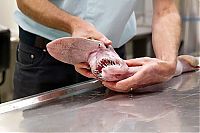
x: 114, y: 18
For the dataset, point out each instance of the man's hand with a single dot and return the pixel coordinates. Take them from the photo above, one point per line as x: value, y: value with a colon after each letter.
x: 165, y: 38
x: 153, y: 71
x: 84, y: 69
x: 82, y: 28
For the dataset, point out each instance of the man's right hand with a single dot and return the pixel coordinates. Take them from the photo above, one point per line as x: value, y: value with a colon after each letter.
x: 82, y: 28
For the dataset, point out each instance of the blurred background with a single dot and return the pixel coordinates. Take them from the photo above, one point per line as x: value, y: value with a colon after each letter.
x: 138, y: 46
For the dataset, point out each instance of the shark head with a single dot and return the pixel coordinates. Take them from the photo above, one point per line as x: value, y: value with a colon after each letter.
x: 104, y: 62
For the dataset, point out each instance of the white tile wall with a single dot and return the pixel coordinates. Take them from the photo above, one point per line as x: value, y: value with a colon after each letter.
x: 7, y: 8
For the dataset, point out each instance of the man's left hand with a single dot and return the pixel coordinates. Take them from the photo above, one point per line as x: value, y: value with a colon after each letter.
x: 153, y: 71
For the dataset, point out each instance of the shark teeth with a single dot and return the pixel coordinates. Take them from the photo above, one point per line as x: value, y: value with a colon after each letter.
x: 102, y: 64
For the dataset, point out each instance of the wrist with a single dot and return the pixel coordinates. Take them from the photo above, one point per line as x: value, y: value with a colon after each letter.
x: 69, y: 24
x: 171, y: 60
x: 169, y: 66
x: 74, y: 23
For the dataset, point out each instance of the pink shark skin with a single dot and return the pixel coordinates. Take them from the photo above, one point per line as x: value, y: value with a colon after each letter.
x: 104, y: 62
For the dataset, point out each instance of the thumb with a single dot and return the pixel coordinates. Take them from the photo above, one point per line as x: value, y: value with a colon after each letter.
x: 133, y: 62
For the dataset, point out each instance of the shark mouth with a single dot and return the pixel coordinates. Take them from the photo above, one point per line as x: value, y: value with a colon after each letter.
x: 103, y: 63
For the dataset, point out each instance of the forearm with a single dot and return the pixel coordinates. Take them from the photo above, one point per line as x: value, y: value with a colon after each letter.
x: 47, y: 14
x: 166, y: 31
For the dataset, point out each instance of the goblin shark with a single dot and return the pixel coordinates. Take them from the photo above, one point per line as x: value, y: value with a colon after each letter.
x: 104, y: 62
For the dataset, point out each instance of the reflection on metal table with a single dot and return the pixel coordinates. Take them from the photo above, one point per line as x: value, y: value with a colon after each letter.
x: 165, y: 107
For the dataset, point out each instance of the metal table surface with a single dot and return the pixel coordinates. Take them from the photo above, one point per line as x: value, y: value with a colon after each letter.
x: 171, y: 106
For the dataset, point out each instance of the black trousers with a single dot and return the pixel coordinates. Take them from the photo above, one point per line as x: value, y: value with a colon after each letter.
x: 36, y: 71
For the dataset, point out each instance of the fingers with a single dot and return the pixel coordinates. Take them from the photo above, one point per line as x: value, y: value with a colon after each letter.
x: 112, y: 86
x: 147, y: 75
x: 140, y: 61
x: 140, y: 79
x: 100, y: 37
x: 87, y: 30
x: 133, y: 62
x: 96, y: 36
x: 131, y: 82
x: 124, y: 85
x: 82, y: 65
x: 137, y: 61
x: 84, y: 69
x: 105, y: 40
x: 85, y: 72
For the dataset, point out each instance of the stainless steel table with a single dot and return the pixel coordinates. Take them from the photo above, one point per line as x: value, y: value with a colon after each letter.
x: 171, y: 106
